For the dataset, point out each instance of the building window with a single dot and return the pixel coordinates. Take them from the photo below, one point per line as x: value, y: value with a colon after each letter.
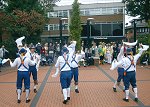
x: 106, y: 29
x: 115, y: 10
x: 117, y: 29
x: 96, y: 30
x: 46, y: 27
x: 87, y: 13
x: 63, y: 13
x: 104, y: 11
x: 109, y: 10
x: 65, y: 26
x: 51, y: 27
x: 56, y: 27
x: 101, y: 11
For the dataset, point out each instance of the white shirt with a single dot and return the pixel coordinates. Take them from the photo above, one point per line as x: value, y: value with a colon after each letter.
x: 33, y: 56
x: 121, y: 55
x: 77, y: 58
x: 27, y: 63
x: 61, y: 61
x: 125, y: 62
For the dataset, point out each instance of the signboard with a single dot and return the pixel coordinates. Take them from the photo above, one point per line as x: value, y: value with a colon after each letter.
x: 100, y: 38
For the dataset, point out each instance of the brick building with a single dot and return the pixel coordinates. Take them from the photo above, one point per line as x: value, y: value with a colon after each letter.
x: 106, y: 22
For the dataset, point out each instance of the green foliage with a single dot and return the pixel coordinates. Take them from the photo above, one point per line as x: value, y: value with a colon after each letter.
x: 23, y: 18
x: 145, y: 39
x: 23, y: 5
x: 75, y: 25
x: 138, y: 7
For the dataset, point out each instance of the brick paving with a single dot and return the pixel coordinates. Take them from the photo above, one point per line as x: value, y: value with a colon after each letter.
x: 95, y: 86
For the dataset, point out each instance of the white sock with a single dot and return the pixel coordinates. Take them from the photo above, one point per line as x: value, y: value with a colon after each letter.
x: 76, y: 86
x: 127, y: 94
x: 123, y: 87
x: 35, y: 86
x: 135, y: 91
x: 27, y: 93
x: 115, y: 84
x: 65, y: 93
x: 68, y: 92
x: 19, y: 93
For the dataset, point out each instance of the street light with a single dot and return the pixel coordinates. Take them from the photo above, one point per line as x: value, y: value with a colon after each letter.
x: 89, y: 31
x: 134, y: 32
x: 60, y: 29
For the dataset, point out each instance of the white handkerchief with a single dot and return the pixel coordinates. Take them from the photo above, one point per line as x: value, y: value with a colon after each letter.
x: 145, y: 47
x: 113, y: 64
x: 130, y: 44
x: 4, y: 61
x: 19, y: 40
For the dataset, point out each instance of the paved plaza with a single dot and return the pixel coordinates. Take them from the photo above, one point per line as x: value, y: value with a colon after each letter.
x: 95, y: 86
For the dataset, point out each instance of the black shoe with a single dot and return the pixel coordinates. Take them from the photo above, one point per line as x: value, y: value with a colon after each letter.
x: 35, y: 91
x: 19, y: 101
x: 114, y: 89
x: 123, y: 90
x: 24, y: 90
x: 132, y: 89
x: 65, y: 101
x: 136, y: 99
x: 27, y: 101
x: 76, y: 90
x: 68, y: 98
x: 126, y: 100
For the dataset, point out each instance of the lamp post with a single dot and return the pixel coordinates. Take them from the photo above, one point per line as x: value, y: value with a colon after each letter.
x: 88, y: 32
x: 60, y: 30
x: 134, y: 24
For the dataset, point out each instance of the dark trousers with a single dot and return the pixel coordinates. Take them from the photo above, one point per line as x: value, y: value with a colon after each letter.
x: 65, y: 79
x: 33, y: 71
x: 120, y: 74
x: 23, y: 75
x: 130, y: 78
x: 75, y: 74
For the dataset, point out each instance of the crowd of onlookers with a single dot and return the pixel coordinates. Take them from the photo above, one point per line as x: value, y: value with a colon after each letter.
x: 106, y: 52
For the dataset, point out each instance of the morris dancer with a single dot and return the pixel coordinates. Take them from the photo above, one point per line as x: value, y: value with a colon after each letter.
x: 63, y: 65
x: 120, y: 68
x: 129, y: 65
x: 33, y: 69
x: 74, y: 68
x: 22, y: 63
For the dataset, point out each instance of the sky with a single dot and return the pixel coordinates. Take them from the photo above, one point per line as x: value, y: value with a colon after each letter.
x: 69, y: 2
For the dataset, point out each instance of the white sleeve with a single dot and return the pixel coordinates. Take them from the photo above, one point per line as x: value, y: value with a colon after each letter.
x: 137, y: 56
x: 121, y: 53
x: 31, y: 63
x: 14, y: 64
x: 28, y: 55
x: 79, y: 57
x: 57, y: 62
x: 115, y: 64
x: 71, y: 49
x: 57, y: 71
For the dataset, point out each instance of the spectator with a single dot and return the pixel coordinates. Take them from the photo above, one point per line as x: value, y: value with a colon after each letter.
x: 3, y: 52
x: 46, y: 47
x: 38, y: 48
x: 51, y: 50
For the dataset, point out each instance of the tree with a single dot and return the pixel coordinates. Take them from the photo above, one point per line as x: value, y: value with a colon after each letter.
x: 23, y: 18
x: 75, y: 25
x: 138, y: 7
